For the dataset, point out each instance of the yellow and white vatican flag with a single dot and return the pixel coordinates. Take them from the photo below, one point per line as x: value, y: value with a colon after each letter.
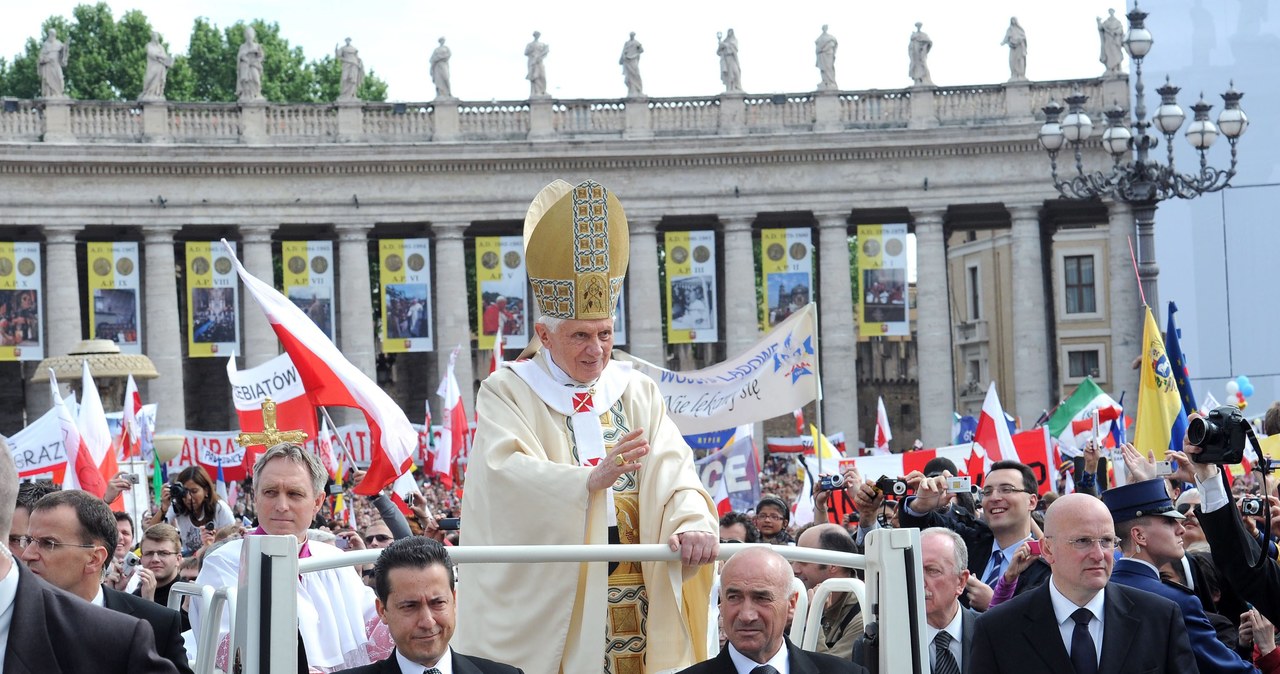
x: 501, y: 298
x: 692, y: 297
x: 213, y: 301
x: 404, y: 283
x: 786, y: 265
x: 115, y: 293
x: 881, y: 297
x: 308, y: 280
x: 21, y: 309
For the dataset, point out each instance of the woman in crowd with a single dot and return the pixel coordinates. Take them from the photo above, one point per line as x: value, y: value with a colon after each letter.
x: 199, y: 509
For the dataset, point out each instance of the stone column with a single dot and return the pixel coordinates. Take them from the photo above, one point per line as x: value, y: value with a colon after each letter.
x: 453, y: 324
x: 644, y: 311
x: 163, y: 333
x: 741, y: 314
x: 933, y: 330
x: 1031, y: 352
x: 1125, y: 304
x: 260, y: 344
x: 355, y: 304
x: 838, y: 338
x: 62, y: 316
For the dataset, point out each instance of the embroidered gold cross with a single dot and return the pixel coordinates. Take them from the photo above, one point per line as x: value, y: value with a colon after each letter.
x: 270, y: 435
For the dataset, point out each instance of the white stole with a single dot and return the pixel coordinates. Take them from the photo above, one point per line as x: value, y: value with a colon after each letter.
x: 588, y: 434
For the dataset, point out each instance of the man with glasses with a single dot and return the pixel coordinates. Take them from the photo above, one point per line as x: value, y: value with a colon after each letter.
x: 1078, y: 621
x: 772, y: 518
x: 1009, y: 496
x: 161, y: 555
x: 71, y: 541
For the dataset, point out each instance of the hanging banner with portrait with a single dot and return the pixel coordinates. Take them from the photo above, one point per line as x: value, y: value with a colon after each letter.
x: 786, y: 267
x: 404, y: 283
x: 308, y: 280
x: 691, y: 287
x: 501, y: 296
x: 882, y: 285
x: 115, y: 294
x: 213, y: 301
x: 21, y: 315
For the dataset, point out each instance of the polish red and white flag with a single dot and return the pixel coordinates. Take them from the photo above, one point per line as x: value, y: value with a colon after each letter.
x: 95, y: 432
x: 992, y: 433
x: 81, y: 472
x: 130, y: 428
x: 454, y: 438
x: 883, y: 434
x: 332, y: 380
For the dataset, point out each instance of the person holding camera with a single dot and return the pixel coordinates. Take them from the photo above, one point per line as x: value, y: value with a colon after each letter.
x: 191, y: 504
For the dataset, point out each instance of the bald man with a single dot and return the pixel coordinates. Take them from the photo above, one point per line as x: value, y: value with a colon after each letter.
x: 756, y: 603
x: 1078, y: 621
x: 841, y: 616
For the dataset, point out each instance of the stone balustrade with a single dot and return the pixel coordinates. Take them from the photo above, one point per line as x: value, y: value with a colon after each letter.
x: 23, y: 121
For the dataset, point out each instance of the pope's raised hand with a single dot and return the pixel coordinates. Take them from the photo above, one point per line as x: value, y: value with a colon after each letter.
x: 623, y: 458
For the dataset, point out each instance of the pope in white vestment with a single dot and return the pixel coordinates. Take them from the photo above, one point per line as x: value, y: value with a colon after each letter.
x: 548, y: 429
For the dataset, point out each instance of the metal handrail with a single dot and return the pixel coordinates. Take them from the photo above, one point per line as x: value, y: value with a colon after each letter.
x: 212, y: 602
x: 812, y: 629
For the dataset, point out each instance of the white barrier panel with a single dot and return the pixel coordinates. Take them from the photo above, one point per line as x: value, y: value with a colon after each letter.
x: 808, y: 640
x: 892, y: 570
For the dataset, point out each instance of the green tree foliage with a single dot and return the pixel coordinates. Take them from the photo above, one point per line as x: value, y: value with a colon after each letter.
x: 107, y: 60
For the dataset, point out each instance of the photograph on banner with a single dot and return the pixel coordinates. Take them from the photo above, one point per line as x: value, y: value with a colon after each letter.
x: 882, y: 297
x: 213, y: 293
x: 501, y: 297
x: 787, y: 267
x: 115, y: 292
x: 691, y: 287
x: 308, y: 280
x: 21, y: 313
x: 405, y: 286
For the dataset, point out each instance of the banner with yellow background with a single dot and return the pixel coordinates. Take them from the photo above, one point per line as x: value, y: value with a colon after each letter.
x: 786, y: 268
x: 404, y: 284
x: 115, y: 294
x: 308, y: 280
x: 882, y: 298
x: 213, y: 301
x: 21, y: 312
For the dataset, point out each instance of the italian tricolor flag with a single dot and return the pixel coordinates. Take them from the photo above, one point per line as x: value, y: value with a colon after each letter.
x: 1072, y: 423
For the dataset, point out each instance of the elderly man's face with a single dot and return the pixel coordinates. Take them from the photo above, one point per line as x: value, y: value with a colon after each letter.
x: 286, y: 499
x: 943, y: 582
x: 580, y: 348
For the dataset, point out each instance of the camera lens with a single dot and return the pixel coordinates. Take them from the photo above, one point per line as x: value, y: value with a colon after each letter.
x: 1198, y: 431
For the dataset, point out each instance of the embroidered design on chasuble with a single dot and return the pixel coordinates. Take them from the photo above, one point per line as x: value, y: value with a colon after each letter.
x: 628, y: 611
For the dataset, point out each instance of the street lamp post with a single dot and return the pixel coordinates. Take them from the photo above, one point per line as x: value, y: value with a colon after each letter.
x: 1137, y: 178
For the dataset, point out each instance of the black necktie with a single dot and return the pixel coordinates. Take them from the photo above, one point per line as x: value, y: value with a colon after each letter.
x: 764, y: 669
x: 1084, y: 657
x: 943, y: 661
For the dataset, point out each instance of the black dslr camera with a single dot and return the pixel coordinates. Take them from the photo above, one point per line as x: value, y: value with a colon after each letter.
x: 1220, y: 436
x: 178, y: 497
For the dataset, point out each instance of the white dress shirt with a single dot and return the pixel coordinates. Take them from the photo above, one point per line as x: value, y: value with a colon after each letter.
x: 408, y: 666
x: 1063, y: 608
x: 744, y: 665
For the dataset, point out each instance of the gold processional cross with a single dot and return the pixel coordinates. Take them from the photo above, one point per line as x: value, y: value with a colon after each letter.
x: 270, y: 435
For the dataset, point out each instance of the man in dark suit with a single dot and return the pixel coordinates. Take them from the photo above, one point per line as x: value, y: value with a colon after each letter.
x: 756, y: 603
x: 1009, y: 496
x: 413, y: 581
x: 48, y: 631
x: 1150, y: 531
x: 949, y: 626
x: 85, y: 531
x: 1078, y: 623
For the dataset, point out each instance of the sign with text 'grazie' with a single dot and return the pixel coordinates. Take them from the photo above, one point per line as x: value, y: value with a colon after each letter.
x: 774, y: 377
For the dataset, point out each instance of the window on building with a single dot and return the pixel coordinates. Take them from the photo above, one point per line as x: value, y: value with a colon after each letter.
x: 975, y: 293
x: 1081, y: 364
x: 1080, y: 287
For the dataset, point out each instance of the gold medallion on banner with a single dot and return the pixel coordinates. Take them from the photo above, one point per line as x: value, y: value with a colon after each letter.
x: 893, y: 247
x: 200, y: 266
x: 512, y: 260
x: 799, y: 251
x: 319, y: 265
x: 394, y: 263
x: 297, y: 264
x: 489, y: 260
x: 124, y: 266
x: 416, y: 262
x: 26, y: 266
x: 679, y: 254
x: 775, y: 252
x: 701, y: 254
x: 871, y: 248
x: 102, y: 266
x: 222, y: 265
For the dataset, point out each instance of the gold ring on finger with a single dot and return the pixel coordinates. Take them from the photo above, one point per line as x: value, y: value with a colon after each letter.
x: 618, y: 460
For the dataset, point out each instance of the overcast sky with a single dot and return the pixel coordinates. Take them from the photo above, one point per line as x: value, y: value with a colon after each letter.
x: 776, y: 40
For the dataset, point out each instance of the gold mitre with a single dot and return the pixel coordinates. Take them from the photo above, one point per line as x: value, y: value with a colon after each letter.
x: 576, y: 248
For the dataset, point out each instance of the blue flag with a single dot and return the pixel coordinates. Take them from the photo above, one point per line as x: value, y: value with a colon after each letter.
x: 1178, y: 363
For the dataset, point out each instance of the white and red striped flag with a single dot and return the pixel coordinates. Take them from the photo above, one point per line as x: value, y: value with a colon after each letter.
x: 324, y: 447
x: 993, y: 431
x: 92, y: 423
x: 799, y: 415
x: 454, y: 437
x: 883, y: 434
x: 130, y: 429
x: 80, y: 472
x: 499, y: 343
x: 331, y: 379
